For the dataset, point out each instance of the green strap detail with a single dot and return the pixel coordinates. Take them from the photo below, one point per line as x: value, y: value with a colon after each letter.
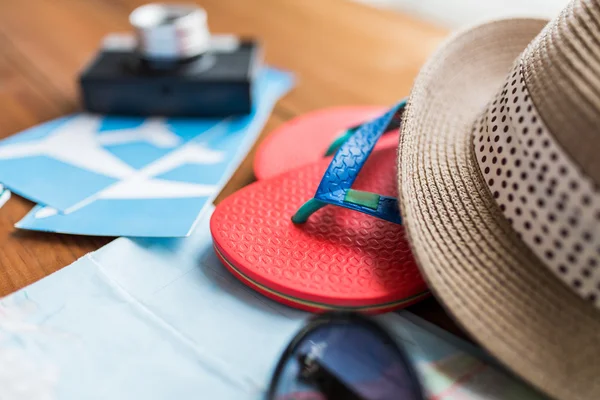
x: 339, y: 141
x: 307, y: 210
x: 365, y: 199
x: 358, y: 197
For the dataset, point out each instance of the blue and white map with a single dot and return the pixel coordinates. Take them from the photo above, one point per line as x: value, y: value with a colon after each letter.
x: 130, y: 176
x: 161, y: 318
x: 4, y: 195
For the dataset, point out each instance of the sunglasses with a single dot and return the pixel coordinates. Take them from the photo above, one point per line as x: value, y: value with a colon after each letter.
x: 344, y: 356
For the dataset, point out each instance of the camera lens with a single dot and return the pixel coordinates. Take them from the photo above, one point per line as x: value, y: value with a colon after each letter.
x: 172, y: 14
x: 170, y: 32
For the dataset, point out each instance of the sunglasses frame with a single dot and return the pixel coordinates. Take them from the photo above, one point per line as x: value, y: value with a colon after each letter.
x: 341, y: 317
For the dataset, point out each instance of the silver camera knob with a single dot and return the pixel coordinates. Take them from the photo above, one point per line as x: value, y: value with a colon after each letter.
x: 170, y: 32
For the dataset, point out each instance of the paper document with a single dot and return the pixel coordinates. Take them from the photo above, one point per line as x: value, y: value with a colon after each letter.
x: 131, y: 176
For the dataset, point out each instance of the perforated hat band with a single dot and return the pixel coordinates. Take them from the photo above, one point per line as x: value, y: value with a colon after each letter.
x: 548, y: 199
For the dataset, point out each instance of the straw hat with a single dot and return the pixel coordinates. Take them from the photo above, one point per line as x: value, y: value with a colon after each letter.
x: 499, y: 173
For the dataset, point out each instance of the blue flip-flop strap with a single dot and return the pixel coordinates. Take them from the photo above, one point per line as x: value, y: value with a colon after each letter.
x: 346, y: 134
x: 336, y: 186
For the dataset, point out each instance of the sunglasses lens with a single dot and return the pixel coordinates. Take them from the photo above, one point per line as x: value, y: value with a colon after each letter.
x: 345, y: 361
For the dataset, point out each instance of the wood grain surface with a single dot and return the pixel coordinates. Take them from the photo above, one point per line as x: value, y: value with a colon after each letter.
x: 342, y: 53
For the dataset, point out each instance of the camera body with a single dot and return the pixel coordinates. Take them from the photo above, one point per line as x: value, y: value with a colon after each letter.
x: 217, y: 83
x: 172, y: 66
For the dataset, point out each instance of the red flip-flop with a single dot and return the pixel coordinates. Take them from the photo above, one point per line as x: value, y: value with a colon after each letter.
x: 310, y: 137
x: 341, y: 248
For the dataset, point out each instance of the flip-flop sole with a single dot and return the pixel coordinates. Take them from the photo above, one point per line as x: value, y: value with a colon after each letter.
x: 339, y: 259
x: 304, y: 140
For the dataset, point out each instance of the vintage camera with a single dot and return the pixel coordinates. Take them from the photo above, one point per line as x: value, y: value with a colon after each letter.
x: 173, y: 66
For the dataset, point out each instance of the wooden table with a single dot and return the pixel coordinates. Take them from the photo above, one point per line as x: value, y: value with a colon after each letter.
x: 343, y: 53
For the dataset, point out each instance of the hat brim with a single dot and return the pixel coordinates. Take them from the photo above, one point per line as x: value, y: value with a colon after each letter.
x: 474, y: 262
